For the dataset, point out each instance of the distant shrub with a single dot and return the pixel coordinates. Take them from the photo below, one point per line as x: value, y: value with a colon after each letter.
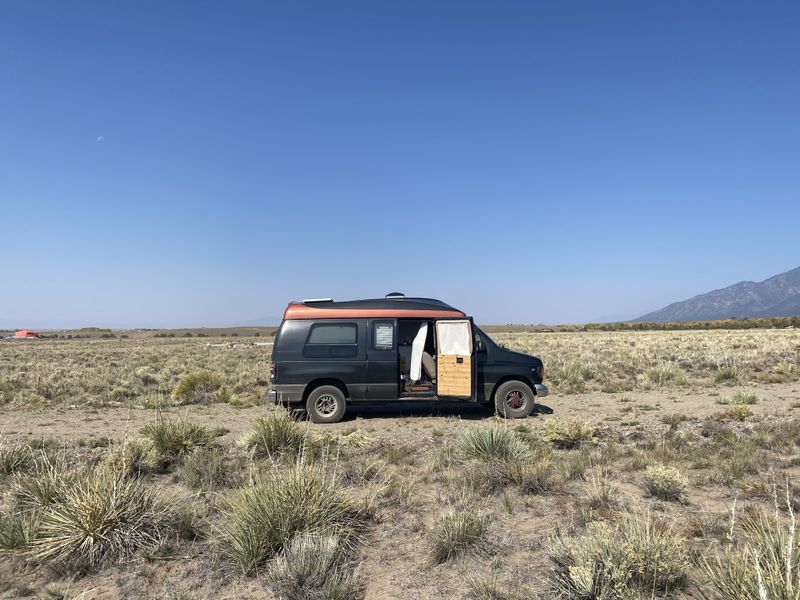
x: 673, y: 420
x: 187, y: 334
x: 146, y: 375
x: 571, y: 375
x: 565, y: 434
x: 665, y: 374
x: 456, y: 533
x: 199, y: 386
x: 737, y: 412
x: 727, y: 374
x: 745, y: 398
x: 634, y: 559
x: 275, y: 435
x: 665, y: 482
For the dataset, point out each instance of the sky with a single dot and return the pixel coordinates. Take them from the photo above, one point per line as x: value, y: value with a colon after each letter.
x: 196, y: 163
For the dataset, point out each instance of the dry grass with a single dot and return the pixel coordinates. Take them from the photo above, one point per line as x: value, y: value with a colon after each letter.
x: 412, y: 502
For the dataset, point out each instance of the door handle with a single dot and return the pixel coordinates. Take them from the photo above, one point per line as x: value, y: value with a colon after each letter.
x: 460, y: 360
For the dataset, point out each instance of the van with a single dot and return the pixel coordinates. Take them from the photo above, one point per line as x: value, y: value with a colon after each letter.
x: 330, y: 354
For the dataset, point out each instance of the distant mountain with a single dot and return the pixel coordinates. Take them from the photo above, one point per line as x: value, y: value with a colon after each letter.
x: 778, y: 296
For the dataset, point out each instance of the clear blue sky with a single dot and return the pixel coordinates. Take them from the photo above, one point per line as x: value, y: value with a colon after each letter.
x: 168, y: 163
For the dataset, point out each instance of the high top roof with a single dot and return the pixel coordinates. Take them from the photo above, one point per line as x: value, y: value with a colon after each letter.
x: 391, y: 307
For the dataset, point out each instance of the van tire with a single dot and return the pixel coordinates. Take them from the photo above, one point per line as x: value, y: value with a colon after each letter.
x: 326, y: 404
x: 514, y: 400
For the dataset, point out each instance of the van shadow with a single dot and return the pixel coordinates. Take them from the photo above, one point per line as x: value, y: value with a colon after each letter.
x: 415, y: 408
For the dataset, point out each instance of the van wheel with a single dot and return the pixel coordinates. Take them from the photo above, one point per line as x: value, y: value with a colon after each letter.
x: 326, y: 404
x: 514, y: 400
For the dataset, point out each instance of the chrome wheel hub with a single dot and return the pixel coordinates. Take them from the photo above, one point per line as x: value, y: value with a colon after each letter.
x: 515, y: 399
x: 326, y: 405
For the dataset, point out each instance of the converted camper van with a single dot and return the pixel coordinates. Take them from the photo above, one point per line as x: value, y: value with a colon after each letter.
x: 330, y: 354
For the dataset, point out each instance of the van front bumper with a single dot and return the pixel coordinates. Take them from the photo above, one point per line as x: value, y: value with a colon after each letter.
x: 541, y: 390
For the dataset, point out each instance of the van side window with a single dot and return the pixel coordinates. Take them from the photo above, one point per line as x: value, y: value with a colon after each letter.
x: 382, y: 335
x: 331, y: 340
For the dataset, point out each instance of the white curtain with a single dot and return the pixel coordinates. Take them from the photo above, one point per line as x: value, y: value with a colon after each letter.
x: 453, y: 338
x: 417, y: 346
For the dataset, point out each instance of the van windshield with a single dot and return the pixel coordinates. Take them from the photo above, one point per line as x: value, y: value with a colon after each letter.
x: 481, y: 336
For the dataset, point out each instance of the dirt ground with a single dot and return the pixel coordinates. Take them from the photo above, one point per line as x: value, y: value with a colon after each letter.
x: 404, y: 438
x: 404, y: 421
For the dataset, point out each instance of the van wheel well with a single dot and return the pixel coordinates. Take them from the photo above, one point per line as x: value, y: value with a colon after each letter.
x: 318, y: 382
x: 502, y: 380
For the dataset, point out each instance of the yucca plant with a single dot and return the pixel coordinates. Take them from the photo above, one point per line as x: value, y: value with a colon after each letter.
x: 275, y: 435
x: 17, y: 530
x: 173, y: 439
x: 44, y: 485
x: 313, y: 567
x: 457, y: 532
x: 100, y: 518
x: 14, y: 457
x: 763, y: 564
x: 490, y: 442
x: 133, y: 458
x: 261, y: 519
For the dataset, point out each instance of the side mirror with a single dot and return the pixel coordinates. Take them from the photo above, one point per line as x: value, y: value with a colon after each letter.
x: 480, y: 346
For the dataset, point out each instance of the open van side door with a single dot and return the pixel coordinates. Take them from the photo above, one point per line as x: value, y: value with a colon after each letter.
x: 455, y: 359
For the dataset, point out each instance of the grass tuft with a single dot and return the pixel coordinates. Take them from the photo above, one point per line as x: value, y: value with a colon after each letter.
x: 764, y: 561
x: 457, y: 533
x: 17, y: 531
x: 173, y: 439
x: 313, y: 567
x: 275, y: 435
x: 261, y: 519
x: 14, y: 457
x: 492, y: 442
x: 664, y: 375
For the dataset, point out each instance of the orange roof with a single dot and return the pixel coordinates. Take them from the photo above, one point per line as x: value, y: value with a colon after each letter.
x: 26, y: 333
x: 301, y: 311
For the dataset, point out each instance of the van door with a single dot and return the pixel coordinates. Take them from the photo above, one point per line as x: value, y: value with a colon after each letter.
x: 454, y: 359
x: 383, y: 376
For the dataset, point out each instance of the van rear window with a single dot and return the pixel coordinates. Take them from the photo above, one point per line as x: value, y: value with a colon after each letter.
x: 331, y: 340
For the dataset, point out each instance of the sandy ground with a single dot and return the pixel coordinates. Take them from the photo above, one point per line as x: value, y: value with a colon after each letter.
x: 394, y: 563
x: 401, y: 419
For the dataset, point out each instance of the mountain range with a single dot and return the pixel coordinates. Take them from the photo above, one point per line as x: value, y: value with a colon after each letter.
x: 778, y: 296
